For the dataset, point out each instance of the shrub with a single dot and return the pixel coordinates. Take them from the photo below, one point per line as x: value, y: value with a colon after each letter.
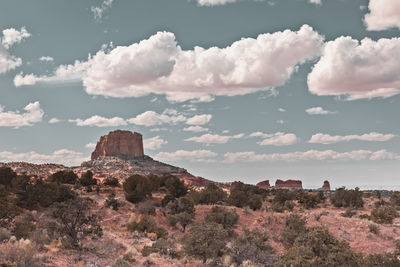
x: 137, y: 188
x: 219, y: 215
x: 211, y: 194
x: 395, y: 199
x: 373, y: 228
x: 205, y: 240
x: 318, y: 247
x: 111, y: 181
x: 64, y: 177
x: 180, y: 211
x: 347, y: 198
x: 384, y: 214
x: 176, y: 187
x: 308, y: 200
x: 294, y: 227
x: 381, y: 260
x: 75, y: 221
x: 23, y: 230
x: 349, y: 213
x: 183, y: 219
x: 251, y: 246
x: 8, y: 211
x: 167, y: 199
x: 21, y: 253
x: 243, y: 195
x: 147, y: 225
x: 147, y: 208
x: 164, y: 247
x: 87, y: 179
x: 112, y: 202
x: 6, y: 176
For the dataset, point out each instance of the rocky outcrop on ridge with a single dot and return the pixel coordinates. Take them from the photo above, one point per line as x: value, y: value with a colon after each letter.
x: 264, y: 184
x: 289, y: 184
x: 326, y: 186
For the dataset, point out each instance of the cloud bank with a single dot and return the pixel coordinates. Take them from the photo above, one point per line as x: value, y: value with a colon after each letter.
x: 326, y: 139
x: 384, y: 14
x: 33, y: 114
x: 8, y: 39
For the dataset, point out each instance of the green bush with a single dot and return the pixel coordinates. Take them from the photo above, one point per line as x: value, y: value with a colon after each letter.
x: 181, y: 211
x: 395, y: 199
x: 294, y: 227
x: 308, y: 200
x: 147, y: 208
x: 164, y: 247
x: 373, y: 228
x: 347, y: 198
x: 87, y: 179
x: 176, y: 187
x: 23, y: 229
x: 381, y: 260
x: 6, y: 176
x: 111, y: 181
x: 349, y: 213
x: 384, y: 214
x: 205, y: 240
x: 137, y: 188
x: 112, y: 202
x: 222, y: 216
x: 211, y: 194
x: 64, y: 177
x: 251, y: 245
x: 147, y: 225
x: 243, y: 195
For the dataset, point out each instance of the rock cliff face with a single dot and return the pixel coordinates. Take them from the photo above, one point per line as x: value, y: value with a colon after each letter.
x: 326, y: 186
x: 296, y: 184
x: 264, y: 184
x: 119, y: 143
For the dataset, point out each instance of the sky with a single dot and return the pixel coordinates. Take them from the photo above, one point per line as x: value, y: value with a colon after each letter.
x: 229, y: 89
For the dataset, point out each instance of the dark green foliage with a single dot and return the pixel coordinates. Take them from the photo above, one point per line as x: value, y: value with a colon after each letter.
x: 164, y: 247
x: 243, y: 195
x: 137, y: 188
x: 283, y: 200
x: 176, y: 187
x: 294, y: 227
x: 395, y: 199
x: 251, y: 245
x: 384, y: 214
x: 222, y: 216
x: 308, y: 200
x: 147, y: 208
x: 318, y: 247
x: 347, y: 198
x: 74, y: 220
x: 8, y: 210
x: 381, y: 260
x: 43, y: 194
x: 373, y: 228
x: 349, y: 213
x: 87, y: 179
x: 112, y: 202
x: 183, y: 219
x: 205, y: 240
x: 64, y: 177
x: 211, y: 194
x: 147, y: 225
x: 181, y: 211
x: 111, y: 181
x: 167, y: 199
x: 23, y: 229
x: 6, y: 176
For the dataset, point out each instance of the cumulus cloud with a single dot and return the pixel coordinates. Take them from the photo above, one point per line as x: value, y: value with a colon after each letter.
x: 215, y: 2
x: 12, y: 36
x: 214, y: 138
x: 281, y: 110
x: 90, y: 145
x: 154, y: 143
x: 159, y: 65
x: 54, y: 120
x: 62, y: 156
x: 151, y: 118
x: 46, y: 58
x: 100, y: 121
x: 384, y: 14
x: 33, y: 113
x: 199, y: 119
x: 357, y: 70
x: 9, y: 38
x: 98, y: 11
x: 194, y: 155
x: 275, y: 139
x: 316, y: 2
x: 311, y: 155
x: 326, y: 139
x: 195, y: 129
x: 319, y: 111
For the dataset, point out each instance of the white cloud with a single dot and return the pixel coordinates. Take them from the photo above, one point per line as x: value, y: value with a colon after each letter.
x: 281, y: 110
x: 357, y: 70
x: 90, y: 145
x: 62, y: 156
x: 54, y: 120
x: 384, y: 14
x: 215, y: 2
x: 158, y: 65
x: 199, y: 119
x: 214, y: 138
x: 151, y: 118
x: 319, y: 111
x: 326, y: 139
x: 311, y: 155
x: 280, y: 121
x: 33, y: 113
x: 275, y: 139
x: 154, y: 143
x: 100, y: 121
x: 98, y: 11
x: 46, y: 58
x: 316, y: 2
x: 195, y: 129
x: 12, y: 36
x: 194, y: 156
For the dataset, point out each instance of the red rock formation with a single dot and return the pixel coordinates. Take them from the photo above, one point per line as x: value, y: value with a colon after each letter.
x: 296, y: 184
x: 326, y: 186
x: 264, y: 184
x: 119, y: 143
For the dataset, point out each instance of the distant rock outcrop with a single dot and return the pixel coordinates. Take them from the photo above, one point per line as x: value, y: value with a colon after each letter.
x: 326, y: 186
x: 264, y: 184
x: 119, y: 144
x: 290, y: 184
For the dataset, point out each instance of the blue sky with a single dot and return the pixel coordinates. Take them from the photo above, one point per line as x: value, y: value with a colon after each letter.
x: 230, y: 90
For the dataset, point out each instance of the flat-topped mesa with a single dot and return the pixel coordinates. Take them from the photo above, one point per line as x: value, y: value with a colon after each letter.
x: 289, y: 184
x: 120, y: 144
x: 264, y: 184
